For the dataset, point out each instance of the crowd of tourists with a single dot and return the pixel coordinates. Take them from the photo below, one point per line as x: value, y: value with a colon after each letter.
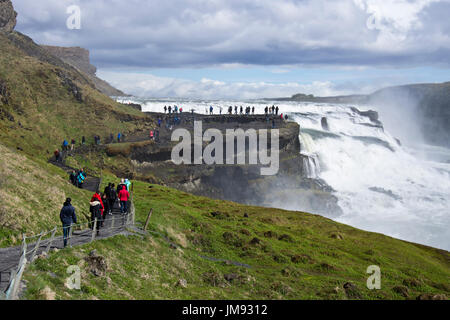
x: 101, y: 205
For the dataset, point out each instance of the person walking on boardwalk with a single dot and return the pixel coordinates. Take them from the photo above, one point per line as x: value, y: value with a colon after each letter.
x: 57, y: 155
x: 65, y: 145
x: 107, y: 209
x: 81, y: 176
x: 83, y: 140
x: 128, y: 184
x: 165, y: 109
x: 107, y: 193
x: 119, y: 136
x: 73, y: 177
x: 121, y: 185
x: 123, y: 197
x: 97, y: 198
x: 67, y: 217
x: 112, y: 197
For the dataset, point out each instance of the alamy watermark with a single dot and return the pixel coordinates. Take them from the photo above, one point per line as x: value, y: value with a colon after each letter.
x: 73, y: 22
x: 73, y: 282
x: 235, y: 153
x: 374, y: 281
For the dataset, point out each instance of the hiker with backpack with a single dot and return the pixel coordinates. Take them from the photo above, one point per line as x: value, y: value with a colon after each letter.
x: 81, y: 177
x: 97, y: 208
x: 67, y: 217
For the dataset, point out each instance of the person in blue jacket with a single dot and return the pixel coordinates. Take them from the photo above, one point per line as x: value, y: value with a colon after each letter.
x: 68, y: 217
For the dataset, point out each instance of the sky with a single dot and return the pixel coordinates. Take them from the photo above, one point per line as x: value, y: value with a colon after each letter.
x: 246, y: 49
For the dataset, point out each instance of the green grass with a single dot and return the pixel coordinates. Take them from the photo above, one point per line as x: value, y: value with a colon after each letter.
x: 298, y: 256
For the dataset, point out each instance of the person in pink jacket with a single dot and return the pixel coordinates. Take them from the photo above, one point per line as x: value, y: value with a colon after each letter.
x: 123, y: 198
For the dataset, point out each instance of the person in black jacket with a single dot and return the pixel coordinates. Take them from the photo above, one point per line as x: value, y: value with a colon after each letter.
x: 107, y: 192
x: 68, y: 217
x: 112, y: 197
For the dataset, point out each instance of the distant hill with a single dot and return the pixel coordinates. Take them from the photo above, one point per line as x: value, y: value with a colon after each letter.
x: 430, y: 101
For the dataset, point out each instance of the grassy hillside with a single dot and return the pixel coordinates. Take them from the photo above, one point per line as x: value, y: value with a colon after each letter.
x: 41, y: 103
x: 31, y: 195
x: 291, y: 255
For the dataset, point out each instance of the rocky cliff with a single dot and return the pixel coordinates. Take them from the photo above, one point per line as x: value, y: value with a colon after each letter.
x: 79, y: 58
x: 289, y: 188
x: 7, y: 16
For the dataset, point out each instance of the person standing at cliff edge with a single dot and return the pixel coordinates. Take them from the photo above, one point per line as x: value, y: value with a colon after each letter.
x: 67, y: 217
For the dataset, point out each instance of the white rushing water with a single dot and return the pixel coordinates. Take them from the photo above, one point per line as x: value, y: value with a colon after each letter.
x: 382, y: 186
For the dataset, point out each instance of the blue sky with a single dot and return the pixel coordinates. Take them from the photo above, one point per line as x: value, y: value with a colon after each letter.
x: 248, y: 48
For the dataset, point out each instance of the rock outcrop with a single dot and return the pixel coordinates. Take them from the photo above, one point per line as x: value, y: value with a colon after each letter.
x: 7, y: 16
x: 79, y: 58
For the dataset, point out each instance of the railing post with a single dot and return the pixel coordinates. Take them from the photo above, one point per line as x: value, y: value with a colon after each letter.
x: 17, y: 279
x: 52, y: 238
x: 36, y: 247
x: 148, y: 219
x: 112, y: 222
x: 94, y: 230
x: 69, y: 239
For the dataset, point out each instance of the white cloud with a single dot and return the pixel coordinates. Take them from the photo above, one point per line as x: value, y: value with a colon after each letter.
x: 147, y: 85
x: 393, y: 18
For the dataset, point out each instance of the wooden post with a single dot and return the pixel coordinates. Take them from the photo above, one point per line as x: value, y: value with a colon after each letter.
x: 112, y: 222
x: 148, y: 219
x: 36, y: 248
x: 94, y: 230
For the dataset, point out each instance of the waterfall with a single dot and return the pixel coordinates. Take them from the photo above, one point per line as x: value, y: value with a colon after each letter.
x: 311, y: 165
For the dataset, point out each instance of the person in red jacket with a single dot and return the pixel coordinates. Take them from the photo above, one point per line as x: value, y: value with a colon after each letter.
x: 123, y: 198
x: 97, y: 197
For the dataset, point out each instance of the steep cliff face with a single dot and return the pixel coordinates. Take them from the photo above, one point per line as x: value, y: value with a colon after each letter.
x: 79, y: 58
x: 75, y: 56
x: 243, y: 183
x: 7, y: 16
